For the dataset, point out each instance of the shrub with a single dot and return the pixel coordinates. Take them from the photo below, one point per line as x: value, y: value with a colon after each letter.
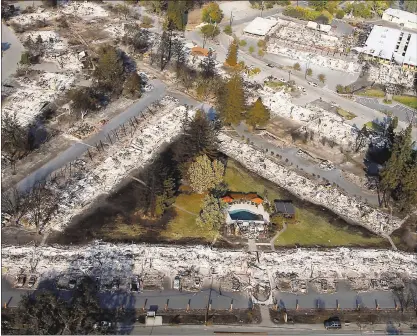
x: 297, y: 66
x: 242, y: 43
x: 340, y: 13
x: 147, y: 21
x: 251, y: 49
x: 261, y: 52
x: 228, y: 30
x: 340, y: 88
x: 261, y: 44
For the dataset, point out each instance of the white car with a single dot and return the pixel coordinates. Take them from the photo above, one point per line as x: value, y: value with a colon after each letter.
x: 312, y: 84
x: 282, y: 80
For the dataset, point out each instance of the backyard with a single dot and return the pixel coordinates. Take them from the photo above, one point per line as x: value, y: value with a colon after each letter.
x: 313, y: 226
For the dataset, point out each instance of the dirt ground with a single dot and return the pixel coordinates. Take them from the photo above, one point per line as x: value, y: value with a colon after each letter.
x: 194, y: 18
x: 407, y: 234
x: 215, y: 317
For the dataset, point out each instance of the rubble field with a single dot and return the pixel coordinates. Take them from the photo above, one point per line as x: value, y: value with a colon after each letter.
x: 391, y: 74
x: 347, y: 207
x: 133, y: 152
x: 234, y: 270
x: 312, y: 119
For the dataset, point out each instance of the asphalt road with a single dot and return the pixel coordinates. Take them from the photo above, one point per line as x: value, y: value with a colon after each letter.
x: 299, y: 329
x: 12, y: 51
x: 345, y: 297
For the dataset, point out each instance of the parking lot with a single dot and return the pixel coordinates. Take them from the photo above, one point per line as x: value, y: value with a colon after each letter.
x: 402, y: 112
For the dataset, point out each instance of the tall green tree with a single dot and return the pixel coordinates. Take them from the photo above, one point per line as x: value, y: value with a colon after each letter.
x: 45, y: 313
x: 211, y: 216
x: 318, y: 5
x: 398, y: 163
x: 258, y: 114
x: 212, y: 13
x: 208, y: 65
x: 322, y: 78
x: 410, y: 6
x: 109, y: 70
x: 176, y: 13
x: 232, y: 101
x: 231, y: 59
x: 204, y: 174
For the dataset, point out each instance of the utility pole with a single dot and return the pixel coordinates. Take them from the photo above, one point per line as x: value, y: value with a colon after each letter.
x: 231, y: 18
x: 208, y: 302
x: 289, y: 75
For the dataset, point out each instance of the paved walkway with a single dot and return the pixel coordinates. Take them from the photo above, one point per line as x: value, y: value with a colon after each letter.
x: 272, y: 241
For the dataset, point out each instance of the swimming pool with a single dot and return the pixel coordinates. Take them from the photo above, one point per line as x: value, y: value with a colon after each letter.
x: 244, y: 215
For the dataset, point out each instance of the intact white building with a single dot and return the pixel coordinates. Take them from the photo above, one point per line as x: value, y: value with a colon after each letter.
x: 391, y: 45
x: 406, y: 19
x: 260, y: 26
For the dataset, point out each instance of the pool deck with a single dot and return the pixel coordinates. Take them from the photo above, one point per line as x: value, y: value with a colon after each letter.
x: 257, y: 209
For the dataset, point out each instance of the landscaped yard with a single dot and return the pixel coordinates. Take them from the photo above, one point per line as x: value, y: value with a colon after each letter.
x: 311, y: 229
x: 410, y: 101
x: 313, y: 226
x: 345, y: 114
x: 184, y: 225
x: 373, y: 126
x: 371, y: 93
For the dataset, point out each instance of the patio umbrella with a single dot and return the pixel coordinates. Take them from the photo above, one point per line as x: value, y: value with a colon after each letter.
x: 257, y: 200
x: 227, y: 199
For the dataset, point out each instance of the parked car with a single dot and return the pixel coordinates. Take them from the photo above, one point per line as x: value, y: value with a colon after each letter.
x: 177, y: 282
x: 32, y: 281
x: 21, y: 279
x: 312, y: 84
x: 282, y: 80
x: 333, y: 323
x: 270, y: 65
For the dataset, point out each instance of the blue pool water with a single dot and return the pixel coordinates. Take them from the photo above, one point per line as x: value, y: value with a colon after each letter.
x: 244, y: 215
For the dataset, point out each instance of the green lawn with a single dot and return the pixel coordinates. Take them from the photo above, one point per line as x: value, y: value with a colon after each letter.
x: 274, y: 85
x: 240, y: 181
x: 371, y: 93
x: 345, y: 114
x: 373, y: 126
x: 410, y: 101
x: 312, y: 227
x: 183, y: 225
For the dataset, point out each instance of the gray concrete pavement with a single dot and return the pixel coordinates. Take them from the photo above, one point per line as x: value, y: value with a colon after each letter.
x: 11, y: 56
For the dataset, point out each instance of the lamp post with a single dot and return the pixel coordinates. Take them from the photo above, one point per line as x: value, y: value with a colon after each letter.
x: 289, y: 75
x: 208, y: 302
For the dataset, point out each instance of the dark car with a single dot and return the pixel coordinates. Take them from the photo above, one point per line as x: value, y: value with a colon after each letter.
x: 270, y: 65
x: 333, y: 323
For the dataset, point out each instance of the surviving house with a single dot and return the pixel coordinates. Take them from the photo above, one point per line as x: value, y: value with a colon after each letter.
x: 284, y: 208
